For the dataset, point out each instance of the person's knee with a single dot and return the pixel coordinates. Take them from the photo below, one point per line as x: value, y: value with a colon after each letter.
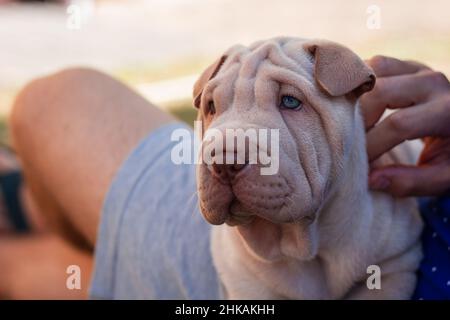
x: 24, y: 112
x: 36, y: 110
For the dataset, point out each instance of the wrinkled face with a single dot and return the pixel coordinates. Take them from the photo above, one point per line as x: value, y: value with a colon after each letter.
x: 274, y: 85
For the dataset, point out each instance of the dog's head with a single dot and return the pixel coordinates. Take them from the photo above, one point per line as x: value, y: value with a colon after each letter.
x: 307, y: 89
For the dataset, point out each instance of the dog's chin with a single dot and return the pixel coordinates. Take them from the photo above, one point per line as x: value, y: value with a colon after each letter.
x: 232, y: 214
x: 264, y: 236
x: 239, y: 215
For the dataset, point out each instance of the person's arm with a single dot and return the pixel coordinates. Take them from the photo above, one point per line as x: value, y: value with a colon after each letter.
x: 422, y: 97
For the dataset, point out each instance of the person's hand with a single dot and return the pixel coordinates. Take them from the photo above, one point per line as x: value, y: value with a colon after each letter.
x: 422, y: 97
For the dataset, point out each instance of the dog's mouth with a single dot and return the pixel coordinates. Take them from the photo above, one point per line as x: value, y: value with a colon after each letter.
x: 239, y: 214
x: 240, y: 201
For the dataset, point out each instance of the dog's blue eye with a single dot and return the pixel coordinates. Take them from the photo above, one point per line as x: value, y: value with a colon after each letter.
x: 290, y: 102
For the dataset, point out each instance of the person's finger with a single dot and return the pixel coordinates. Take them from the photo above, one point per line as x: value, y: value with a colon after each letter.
x: 429, y: 119
x: 386, y: 66
x: 405, y: 181
x: 434, y: 150
x: 399, y: 92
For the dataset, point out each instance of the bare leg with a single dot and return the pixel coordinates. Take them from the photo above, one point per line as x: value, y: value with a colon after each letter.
x: 34, y: 267
x: 72, y: 131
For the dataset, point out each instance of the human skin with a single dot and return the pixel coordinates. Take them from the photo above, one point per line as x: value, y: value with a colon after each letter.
x: 71, y: 131
x: 421, y: 98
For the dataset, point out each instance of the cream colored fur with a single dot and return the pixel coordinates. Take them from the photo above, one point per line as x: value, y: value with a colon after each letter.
x: 312, y: 230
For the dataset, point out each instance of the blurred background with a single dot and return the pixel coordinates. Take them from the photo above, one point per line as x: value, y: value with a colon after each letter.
x: 158, y: 47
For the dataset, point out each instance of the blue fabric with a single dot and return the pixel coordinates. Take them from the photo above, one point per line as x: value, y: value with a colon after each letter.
x: 434, y: 273
x: 153, y: 242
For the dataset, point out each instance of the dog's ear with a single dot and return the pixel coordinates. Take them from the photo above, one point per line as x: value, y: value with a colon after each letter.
x: 207, y: 75
x: 338, y: 70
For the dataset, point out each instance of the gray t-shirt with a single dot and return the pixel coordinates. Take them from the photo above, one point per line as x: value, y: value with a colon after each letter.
x: 153, y: 242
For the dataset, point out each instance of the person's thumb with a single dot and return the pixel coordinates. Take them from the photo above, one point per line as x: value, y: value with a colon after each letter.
x: 405, y: 181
